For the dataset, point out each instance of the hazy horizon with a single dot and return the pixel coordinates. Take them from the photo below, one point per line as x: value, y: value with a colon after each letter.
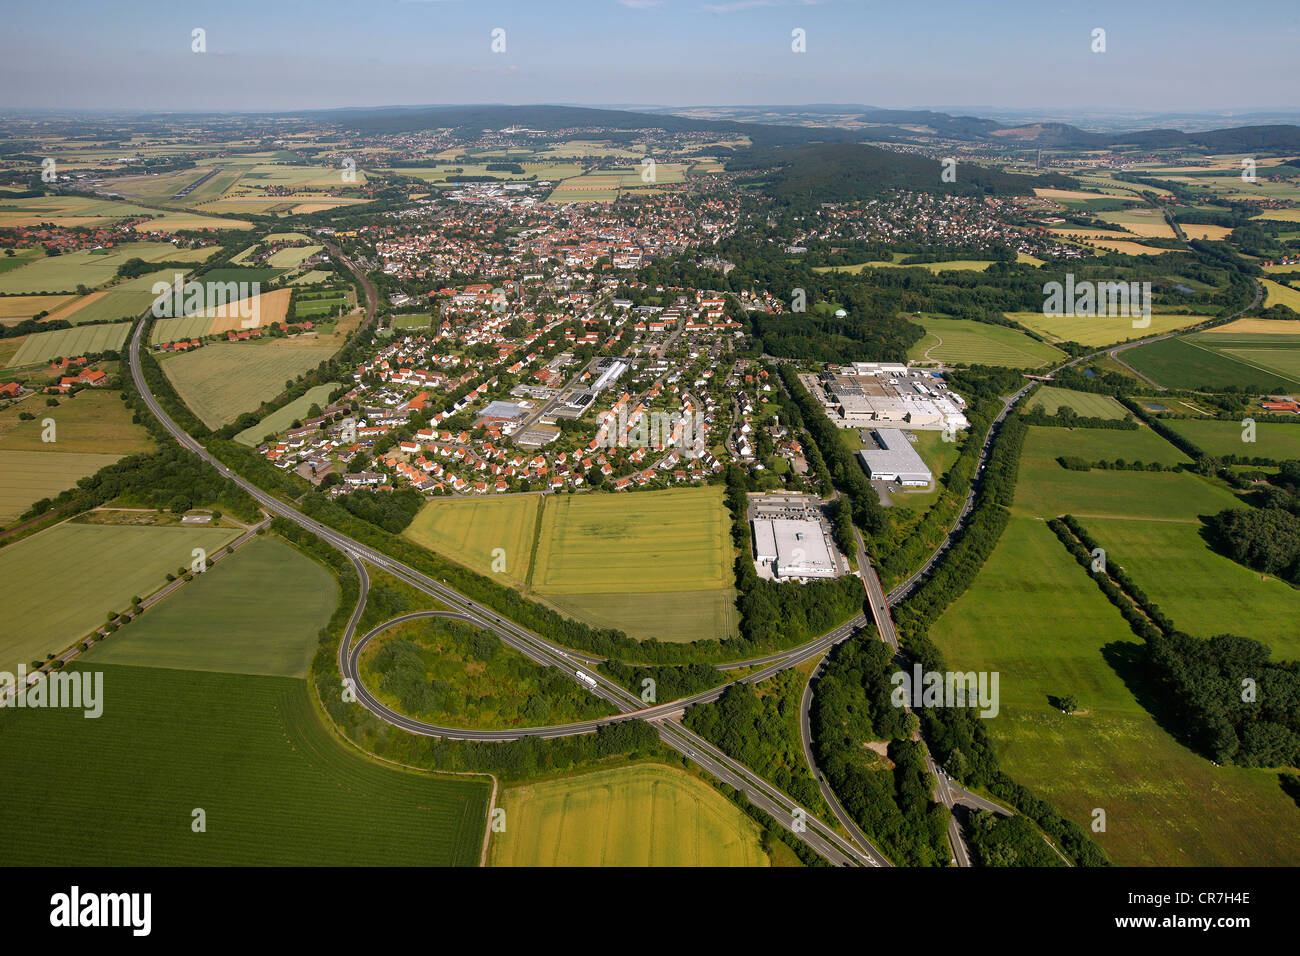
x: 1164, y: 57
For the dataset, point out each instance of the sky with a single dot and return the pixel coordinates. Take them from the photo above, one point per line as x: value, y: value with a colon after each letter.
x: 284, y: 55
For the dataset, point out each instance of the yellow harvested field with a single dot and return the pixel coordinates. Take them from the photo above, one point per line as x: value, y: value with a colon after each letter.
x: 1264, y: 326
x: 1098, y: 239
x: 1097, y: 331
x: 178, y: 221
x: 1277, y: 294
x: 643, y: 815
x: 25, y: 306
x: 1282, y: 215
x: 268, y: 308
x: 1196, y: 230
x: 1065, y: 194
x: 1147, y: 223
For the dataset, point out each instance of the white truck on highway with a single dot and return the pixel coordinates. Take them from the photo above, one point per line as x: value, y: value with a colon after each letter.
x: 586, y: 679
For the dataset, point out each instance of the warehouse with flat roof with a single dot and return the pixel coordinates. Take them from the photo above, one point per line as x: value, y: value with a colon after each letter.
x: 793, y: 548
x: 895, y: 460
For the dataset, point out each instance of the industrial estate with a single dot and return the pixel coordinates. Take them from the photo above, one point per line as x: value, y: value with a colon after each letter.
x: 527, y: 486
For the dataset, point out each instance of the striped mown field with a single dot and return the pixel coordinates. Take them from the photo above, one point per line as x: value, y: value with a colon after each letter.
x: 28, y: 476
x: 220, y: 382
x: 79, y: 340
x: 258, y: 611
x: 56, y: 586
x: 468, y: 530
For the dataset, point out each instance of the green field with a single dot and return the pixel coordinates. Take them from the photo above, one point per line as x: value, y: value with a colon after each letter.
x: 251, y: 752
x: 417, y: 321
x: 1203, y: 592
x: 468, y: 530
x: 1266, y: 352
x: 91, y: 268
x: 1275, y: 440
x: 92, y: 421
x: 978, y: 343
x: 670, y: 616
x: 1180, y: 363
x: 59, y: 585
x: 111, y: 306
x: 292, y: 256
x: 1086, y: 404
x: 28, y: 476
x: 249, y: 274
x: 257, y: 611
x: 1034, y: 616
x: 220, y: 382
x: 1101, y: 330
x: 645, y: 815
x: 1046, y: 489
x: 327, y: 306
x: 79, y: 340
x: 282, y: 418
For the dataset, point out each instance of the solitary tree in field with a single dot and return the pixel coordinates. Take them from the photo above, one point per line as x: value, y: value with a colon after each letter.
x: 1069, y: 703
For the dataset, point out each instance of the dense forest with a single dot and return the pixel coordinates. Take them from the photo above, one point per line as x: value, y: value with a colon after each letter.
x: 814, y: 173
x: 888, y: 796
x: 1236, y: 705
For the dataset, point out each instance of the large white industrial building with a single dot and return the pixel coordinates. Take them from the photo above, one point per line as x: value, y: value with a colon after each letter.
x: 793, y: 548
x: 895, y: 460
x: 869, y: 393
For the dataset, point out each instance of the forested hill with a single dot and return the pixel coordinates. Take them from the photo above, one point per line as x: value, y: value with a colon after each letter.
x: 893, y: 125
x: 844, y: 172
x: 475, y: 119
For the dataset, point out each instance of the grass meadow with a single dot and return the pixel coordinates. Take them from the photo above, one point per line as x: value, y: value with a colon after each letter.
x: 1034, y: 616
x: 1183, y: 363
x: 280, y: 419
x: 1203, y: 592
x: 91, y: 422
x: 1086, y: 404
x: 978, y: 343
x: 1277, y: 440
x: 1046, y: 489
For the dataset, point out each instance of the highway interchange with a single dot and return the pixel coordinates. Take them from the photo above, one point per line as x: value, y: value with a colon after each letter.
x: 819, y: 836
